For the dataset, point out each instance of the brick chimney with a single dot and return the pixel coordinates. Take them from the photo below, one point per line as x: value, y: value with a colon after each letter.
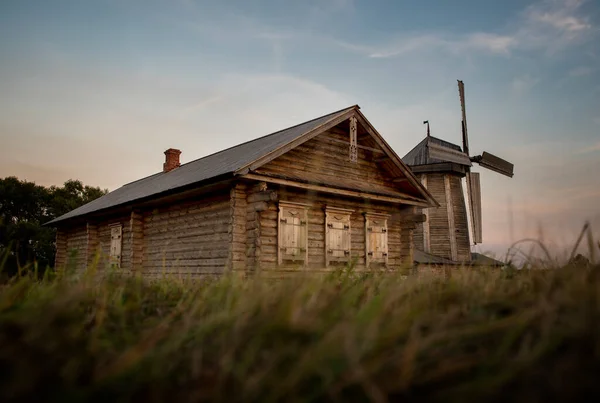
x: 171, y: 160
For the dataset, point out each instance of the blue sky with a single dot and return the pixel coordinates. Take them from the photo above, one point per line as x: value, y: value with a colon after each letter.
x: 98, y: 90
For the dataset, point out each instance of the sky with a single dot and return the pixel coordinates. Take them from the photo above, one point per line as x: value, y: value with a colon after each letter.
x: 97, y: 90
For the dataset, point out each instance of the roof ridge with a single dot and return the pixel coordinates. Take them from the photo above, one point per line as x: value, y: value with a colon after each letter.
x: 415, y: 147
x: 248, y: 141
x: 271, y: 134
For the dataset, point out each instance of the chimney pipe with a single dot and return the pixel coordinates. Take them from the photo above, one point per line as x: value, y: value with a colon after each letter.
x: 171, y: 159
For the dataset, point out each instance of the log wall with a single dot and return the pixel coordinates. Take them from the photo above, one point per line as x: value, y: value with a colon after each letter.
x: 399, y: 232
x: 136, y: 241
x: 101, y: 251
x: 188, y: 238
x: 74, y: 254
x: 238, y: 232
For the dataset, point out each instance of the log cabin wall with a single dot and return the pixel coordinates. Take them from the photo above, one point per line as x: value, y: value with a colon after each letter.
x: 188, y: 238
x: 399, y: 233
x: 238, y: 233
x: 60, y: 258
x: 261, y: 236
x: 87, y: 245
x: 100, y: 248
x: 71, y: 247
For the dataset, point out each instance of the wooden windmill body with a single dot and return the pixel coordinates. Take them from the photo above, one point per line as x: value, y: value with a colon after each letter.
x: 441, y: 166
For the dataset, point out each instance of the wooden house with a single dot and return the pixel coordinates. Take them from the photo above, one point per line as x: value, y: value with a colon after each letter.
x: 324, y: 193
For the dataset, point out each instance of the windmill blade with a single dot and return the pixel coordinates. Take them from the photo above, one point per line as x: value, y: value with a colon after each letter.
x: 440, y: 152
x: 461, y: 94
x: 474, y: 194
x: 497, y: 164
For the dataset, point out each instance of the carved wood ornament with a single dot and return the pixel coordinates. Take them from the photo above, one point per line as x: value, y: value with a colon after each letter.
x: 353, y: 141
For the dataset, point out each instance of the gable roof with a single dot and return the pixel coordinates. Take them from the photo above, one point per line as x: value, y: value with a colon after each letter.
x: 419, y: 155
x: 220, y: 165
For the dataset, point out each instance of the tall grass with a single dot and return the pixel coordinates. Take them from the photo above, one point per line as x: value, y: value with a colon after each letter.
x: 480, y: 335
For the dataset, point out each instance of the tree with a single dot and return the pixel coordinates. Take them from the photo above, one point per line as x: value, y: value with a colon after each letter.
x: 24, y: 208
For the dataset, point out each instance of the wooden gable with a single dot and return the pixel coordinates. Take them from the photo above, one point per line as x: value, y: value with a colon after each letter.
x: 343, y: 158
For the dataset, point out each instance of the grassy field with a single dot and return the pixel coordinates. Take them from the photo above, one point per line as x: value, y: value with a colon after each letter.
x: 481, y: 335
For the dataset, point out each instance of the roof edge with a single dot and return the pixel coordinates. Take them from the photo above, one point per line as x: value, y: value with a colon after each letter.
x: 401, y: 164
x: 214, y: 180
x: 300, y: 140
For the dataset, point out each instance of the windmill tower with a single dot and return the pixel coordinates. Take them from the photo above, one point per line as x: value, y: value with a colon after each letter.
x: 441, y: 166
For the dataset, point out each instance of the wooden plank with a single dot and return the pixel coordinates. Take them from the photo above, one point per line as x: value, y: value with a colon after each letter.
x: 474, y: 190
x: 347, y: 143
x: 463, y: 245
x: 451, y: 225
x: 426, y: 233
x: 400, y: 180
x: 440, y: 152
x: 324, y: 189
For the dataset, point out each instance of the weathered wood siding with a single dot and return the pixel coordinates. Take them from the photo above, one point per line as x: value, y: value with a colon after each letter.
x: 75, y: 247
x: 460, y: 219
x: 399, y: 234
x: 438, y: 218
x: 238, y: 232
x: 325, y: 160
x: 101, y: 250
x: 439, y: 222
x: 188, y: 238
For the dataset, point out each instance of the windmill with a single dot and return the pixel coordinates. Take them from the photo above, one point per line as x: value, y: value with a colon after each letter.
x: 441, y: 166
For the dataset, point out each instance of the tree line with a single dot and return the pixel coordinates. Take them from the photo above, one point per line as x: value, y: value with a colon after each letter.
x: 25, y: 207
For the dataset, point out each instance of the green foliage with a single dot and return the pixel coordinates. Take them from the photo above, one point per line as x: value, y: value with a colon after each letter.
x: 24, y: 208
x: 481, y: 335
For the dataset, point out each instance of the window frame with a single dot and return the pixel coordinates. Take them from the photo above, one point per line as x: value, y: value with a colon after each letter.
x: 331, y: 214
x: 301, y: 208
x: 112, y: 258
x: 383, y: 218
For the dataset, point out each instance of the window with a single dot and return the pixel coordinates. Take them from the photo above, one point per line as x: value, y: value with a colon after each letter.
x: 337, y: 235
x: 376, y: 238
x: 292, y: 233
x: 115, y: 245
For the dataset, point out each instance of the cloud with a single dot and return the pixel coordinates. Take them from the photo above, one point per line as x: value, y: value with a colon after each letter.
x: 580, y: 71
x: 594, y: 147
x: 483, y: 41
x: 523, y: 84
x: 490, y: 42
x: 559, y: 14
x: 549, y: 25
x: 553, y: 25
x: 403, y: 46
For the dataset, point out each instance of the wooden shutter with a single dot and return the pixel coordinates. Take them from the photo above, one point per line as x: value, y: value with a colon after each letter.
x: 337, y: 235
x: 292, y: 233
x: 376, y: 245
x: 116, y: 236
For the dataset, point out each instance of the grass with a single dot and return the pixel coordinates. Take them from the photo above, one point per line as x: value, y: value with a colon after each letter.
x: 488, y: 335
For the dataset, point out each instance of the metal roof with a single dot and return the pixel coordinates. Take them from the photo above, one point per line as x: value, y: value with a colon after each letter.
x: 419, y: 155
x: 221, y: 163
